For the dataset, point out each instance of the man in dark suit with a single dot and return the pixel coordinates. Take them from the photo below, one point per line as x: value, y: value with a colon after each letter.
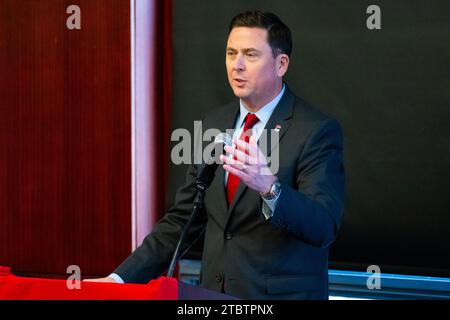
x: 267, y: 232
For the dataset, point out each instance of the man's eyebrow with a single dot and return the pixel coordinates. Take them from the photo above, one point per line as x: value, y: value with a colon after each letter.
x: 246, y: 50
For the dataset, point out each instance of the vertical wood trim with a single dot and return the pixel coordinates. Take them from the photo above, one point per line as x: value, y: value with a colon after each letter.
x: 133, y: 124
x: 143, y: 89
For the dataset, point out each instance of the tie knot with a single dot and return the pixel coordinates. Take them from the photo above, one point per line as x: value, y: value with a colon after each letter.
x: 250, y: 120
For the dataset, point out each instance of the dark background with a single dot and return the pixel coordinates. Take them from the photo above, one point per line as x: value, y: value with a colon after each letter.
x: 389, y: 89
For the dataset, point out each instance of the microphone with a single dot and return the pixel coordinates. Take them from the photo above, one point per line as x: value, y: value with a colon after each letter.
x: 207, y: 171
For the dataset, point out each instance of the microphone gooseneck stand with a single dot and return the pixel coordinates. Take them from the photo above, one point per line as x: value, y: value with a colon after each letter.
x: 204, y: 179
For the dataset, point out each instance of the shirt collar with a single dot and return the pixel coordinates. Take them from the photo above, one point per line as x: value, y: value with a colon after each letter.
x: 264, y: 113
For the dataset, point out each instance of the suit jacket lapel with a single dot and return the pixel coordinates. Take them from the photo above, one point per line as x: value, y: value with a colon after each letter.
x: 280, y: 116
x: 279, y: 121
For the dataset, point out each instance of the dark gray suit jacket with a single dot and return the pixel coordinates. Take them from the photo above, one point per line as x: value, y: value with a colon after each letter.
x: 245, y: 255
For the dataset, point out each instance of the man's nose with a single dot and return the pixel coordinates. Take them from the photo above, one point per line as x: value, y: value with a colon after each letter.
x: 239, y: 63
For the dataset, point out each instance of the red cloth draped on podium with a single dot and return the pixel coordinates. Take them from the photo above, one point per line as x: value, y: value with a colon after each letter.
x: 22, y: 288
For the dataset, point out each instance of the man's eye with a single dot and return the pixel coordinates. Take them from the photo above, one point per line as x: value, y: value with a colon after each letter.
x: 229, y: 53
x: 251, y: 55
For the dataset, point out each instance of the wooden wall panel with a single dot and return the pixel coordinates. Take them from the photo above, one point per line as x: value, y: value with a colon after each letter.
x: 65, y: 136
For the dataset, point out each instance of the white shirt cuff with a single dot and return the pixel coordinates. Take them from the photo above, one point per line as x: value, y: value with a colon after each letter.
x: 116, y: 278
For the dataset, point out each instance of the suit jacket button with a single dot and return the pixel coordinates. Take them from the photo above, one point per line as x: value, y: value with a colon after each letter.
x: 218, y: 278
x: 228, y: 236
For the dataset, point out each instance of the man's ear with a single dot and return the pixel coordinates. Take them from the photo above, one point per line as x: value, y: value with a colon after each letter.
x: 282, y: 63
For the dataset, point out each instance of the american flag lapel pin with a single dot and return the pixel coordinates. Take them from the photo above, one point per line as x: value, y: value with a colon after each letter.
x: 277, y: 128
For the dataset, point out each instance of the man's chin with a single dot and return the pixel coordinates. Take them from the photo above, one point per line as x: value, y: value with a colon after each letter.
x: 240, y: 93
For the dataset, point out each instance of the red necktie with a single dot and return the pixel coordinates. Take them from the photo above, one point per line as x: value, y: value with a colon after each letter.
x: 233, y: 181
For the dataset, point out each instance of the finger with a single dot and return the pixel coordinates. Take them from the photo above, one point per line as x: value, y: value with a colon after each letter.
x: 248, y: 153
x: 229, y: 150
x: 233, y: 152
x: 239, y: 173
x: 234, y: 163
x: 253, y: 146
x: 244, y: 157
x: 242, y: 145
x: 256, y: 152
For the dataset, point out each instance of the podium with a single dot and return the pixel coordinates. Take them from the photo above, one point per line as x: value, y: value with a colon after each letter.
x: 13, y: 287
